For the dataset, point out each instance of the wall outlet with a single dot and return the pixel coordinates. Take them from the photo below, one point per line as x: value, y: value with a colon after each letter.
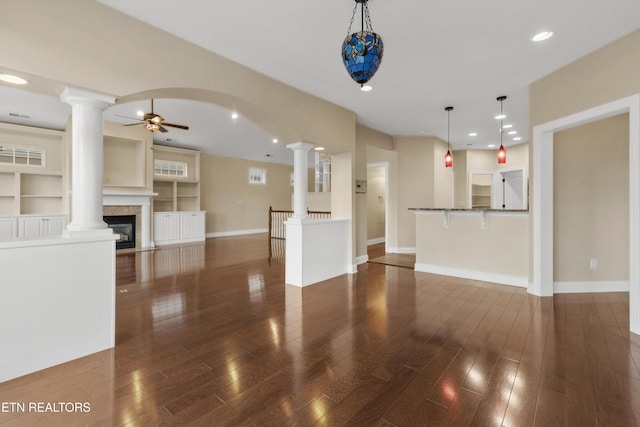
x: 593, y: 263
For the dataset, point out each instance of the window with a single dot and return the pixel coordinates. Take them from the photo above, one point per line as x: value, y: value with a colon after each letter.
x: 257, y: 176
x: 169, y: 168
x: 21, y: 156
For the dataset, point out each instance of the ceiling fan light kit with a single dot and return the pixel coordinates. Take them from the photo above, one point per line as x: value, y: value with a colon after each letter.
x: 155, y: 122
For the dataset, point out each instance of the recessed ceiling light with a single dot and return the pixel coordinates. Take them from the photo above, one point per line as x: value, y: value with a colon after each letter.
x: 473, y: 134
x: 517, y: 138
x: 500, y: 117
x: 319, y: 148
x: 234, y: 115
x: 422, y: 132
x: 366, y: 88
x: 15, y: 80
x: 507, y: 126
x: 491, y: 145
x: 542, y: 36
x: 275, y: 140
x: 513, y: 132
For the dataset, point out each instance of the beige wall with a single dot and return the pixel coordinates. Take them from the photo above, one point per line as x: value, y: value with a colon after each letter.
x: 605, y: 75
x: 591, y: 201
x: 423, y: 182
x: 376, y: 198
x: 128, y: 158
x: 232, y: 204
x: 465, y: 247
x: 460, y: 179
x: 415, y: 184
x: 608, y: 74
x: 517, y: 156
x: 443, y: 177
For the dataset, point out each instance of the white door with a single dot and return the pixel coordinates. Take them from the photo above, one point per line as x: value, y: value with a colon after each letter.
x: 509, y: 190
x: 514, y: 190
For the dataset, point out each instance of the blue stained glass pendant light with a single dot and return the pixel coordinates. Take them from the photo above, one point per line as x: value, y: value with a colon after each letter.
x: 362, y: 50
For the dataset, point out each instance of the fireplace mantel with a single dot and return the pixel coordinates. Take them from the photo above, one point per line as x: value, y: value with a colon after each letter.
x: 133, y: 197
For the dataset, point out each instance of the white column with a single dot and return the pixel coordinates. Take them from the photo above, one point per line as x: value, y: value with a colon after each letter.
x: 87, y: 157
x: 300, y: 171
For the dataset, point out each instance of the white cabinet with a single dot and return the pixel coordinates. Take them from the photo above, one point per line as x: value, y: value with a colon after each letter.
x: 191, y: 225
x: 178, y: 227
x: 34, y: 226
x: 8, y: 228
x: 31, y: 226
x: 166, y: 226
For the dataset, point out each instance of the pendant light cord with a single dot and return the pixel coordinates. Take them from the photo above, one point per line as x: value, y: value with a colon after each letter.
x: 501, y: 118
x: 448, y: 128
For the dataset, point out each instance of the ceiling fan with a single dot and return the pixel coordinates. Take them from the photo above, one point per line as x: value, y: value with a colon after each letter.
x: 154, y: 122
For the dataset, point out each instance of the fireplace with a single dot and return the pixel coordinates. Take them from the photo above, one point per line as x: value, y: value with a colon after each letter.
x: 125, y: 226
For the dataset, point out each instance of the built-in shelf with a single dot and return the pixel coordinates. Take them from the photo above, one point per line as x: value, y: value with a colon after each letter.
x: 33, y: 187
x: 177, y: 193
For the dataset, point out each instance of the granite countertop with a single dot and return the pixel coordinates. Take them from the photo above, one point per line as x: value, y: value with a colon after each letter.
x: 469, y: 210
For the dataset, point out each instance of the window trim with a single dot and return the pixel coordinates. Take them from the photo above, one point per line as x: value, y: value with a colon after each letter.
x: 166, y: 165
x: 258, y: 172
x: 13, y: 148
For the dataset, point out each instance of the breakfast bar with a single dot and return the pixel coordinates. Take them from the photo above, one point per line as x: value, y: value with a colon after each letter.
x: 490, y: 245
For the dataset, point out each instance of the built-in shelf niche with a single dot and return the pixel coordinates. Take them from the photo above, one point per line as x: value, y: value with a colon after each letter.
x: 480, y: 190
x: 124, y: 162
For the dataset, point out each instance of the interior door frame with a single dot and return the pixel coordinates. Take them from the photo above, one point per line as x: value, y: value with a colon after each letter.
x: 542, y: 201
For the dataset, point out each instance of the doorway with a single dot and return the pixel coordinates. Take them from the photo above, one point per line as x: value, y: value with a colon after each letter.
x: 377, y: 203
x: 543, y: 198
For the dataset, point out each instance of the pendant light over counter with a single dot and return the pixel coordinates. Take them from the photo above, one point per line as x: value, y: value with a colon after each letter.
x: 448, y: 158
x: 362, y: 50
x: 502, y: 152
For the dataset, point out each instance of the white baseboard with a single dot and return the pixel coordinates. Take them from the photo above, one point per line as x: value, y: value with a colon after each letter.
x: 237, y: 232
x: 401, y: 250
x: 590, y: 287
x: 362, y: 259
x: 352, y: 269
x: 503, y: 279
x: 376, y: 241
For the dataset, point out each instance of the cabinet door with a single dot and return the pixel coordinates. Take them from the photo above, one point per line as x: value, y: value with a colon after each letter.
x: 166, y: 226
x: 8, y: 229
x: 30, y: 227
x: 53, y: 225
x: 192, y: 225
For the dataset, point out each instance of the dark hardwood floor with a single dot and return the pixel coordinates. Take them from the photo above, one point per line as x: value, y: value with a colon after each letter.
x: 210, y: 335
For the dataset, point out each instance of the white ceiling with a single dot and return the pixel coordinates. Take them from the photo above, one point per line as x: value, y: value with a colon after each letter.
x: 462, y: 53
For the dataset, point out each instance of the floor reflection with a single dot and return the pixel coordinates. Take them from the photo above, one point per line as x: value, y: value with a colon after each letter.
x: 210, y: 335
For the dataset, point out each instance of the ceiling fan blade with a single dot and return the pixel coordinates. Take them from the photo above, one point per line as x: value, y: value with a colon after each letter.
x: 133, y: 124
x: 161, y: 129
x: 175, y: 126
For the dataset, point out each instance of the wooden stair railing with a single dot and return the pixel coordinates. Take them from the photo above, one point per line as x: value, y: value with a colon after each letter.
x: 277, y: 227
